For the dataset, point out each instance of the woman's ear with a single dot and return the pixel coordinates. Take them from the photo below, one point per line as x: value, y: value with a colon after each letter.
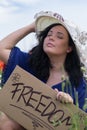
x: 69, y: 49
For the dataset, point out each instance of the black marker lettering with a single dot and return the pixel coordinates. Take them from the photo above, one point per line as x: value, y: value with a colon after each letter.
x: 42, y: 103
x: 16, y: 88
x: 49, y: 109
x: 31, y: 98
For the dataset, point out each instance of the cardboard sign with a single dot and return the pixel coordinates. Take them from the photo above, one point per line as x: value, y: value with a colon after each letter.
x: 33, y: 104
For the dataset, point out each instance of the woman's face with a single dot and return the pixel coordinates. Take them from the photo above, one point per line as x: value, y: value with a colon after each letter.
x: 56, y: 41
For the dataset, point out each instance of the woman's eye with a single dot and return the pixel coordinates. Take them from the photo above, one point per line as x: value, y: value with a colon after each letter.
x: 49, y: 34
x: 60, y: 37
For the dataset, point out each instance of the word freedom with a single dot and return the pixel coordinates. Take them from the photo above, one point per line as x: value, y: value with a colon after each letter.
x: 40, y: 103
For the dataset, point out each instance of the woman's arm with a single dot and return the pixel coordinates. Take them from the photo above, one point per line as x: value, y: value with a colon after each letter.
x: 12, y: 39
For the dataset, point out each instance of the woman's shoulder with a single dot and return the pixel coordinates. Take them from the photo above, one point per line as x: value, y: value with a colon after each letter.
x: 17, y: 57
x: 18, y: 51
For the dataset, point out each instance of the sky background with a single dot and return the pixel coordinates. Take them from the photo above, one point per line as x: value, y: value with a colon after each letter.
x: 15, y: 14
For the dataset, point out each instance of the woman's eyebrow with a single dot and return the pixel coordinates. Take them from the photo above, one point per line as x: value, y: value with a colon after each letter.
x: 57, y: 32
x: 60, y: 33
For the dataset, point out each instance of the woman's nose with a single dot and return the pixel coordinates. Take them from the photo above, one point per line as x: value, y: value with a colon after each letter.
x: 51, y: 37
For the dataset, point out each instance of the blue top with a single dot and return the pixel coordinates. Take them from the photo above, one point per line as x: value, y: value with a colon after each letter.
x: 18, y: 57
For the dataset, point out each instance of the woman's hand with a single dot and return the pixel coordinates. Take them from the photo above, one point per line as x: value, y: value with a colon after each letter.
x: 63, y: 97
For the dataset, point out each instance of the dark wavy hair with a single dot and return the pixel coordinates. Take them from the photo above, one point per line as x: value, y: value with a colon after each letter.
x: 40, y: 63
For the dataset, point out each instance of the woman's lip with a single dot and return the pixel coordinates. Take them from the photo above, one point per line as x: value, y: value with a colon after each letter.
x: 50, y: 45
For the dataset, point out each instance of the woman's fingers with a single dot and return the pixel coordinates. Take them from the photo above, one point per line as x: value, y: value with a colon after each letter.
x: 56, y: 90
x: 64, y: 97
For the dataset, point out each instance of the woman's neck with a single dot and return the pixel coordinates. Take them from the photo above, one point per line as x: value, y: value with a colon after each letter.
x: 57, y: 64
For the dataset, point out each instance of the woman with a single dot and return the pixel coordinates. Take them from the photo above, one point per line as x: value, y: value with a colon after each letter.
x: 54, y: 60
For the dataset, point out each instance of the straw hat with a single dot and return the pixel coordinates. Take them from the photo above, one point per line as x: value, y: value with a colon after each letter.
x: 44, y: 19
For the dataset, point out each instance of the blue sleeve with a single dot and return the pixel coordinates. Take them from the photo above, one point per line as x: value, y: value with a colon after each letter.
x: 17, y: 57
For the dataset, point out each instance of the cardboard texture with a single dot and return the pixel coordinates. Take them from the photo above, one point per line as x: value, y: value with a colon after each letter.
x: 33, y: 104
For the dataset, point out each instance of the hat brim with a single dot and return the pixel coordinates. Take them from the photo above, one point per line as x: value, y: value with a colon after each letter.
x: 45, y: 21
